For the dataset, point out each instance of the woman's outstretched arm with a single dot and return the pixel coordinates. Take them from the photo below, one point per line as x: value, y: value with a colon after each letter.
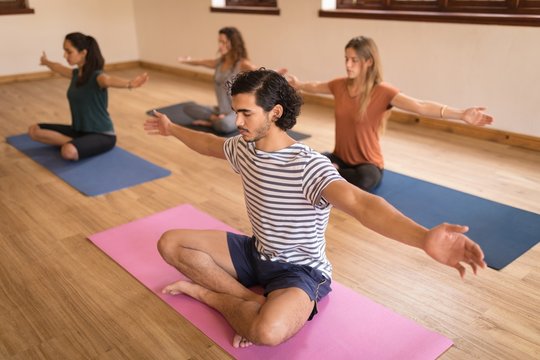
x: 55, y: 67
x: 105, y: 81
x: 314, y: 87
x: 209, y: 63
x: 473, y: 115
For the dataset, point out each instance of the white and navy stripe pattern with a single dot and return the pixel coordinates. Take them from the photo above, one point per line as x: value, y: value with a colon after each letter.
x: 283, y: 194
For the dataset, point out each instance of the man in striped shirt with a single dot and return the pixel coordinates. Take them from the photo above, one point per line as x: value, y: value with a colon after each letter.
x: 289, y: 190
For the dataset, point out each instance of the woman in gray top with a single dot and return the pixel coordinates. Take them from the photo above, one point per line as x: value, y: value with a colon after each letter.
x: 232, y: 60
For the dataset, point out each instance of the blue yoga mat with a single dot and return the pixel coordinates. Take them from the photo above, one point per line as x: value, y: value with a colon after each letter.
x: 114, y: 170
x: 177, y: 115
x: 504, y: 232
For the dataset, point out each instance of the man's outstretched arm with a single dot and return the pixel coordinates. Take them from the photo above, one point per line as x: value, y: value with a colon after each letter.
x: 201, y: 142
x: 445, y: 243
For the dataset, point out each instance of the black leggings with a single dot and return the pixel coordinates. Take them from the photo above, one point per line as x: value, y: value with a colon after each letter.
x: 365, y: 176
x: 87, y: 144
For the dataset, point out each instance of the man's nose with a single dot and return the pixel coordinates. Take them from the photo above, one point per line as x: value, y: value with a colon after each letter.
x: 239, y: 120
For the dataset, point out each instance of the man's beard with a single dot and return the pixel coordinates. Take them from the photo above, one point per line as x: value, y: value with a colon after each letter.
x: 262, y: 131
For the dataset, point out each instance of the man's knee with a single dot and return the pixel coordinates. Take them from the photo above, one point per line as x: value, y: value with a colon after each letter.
x: 270, y: 333
x: 167, y: 244
x: 170, y: 246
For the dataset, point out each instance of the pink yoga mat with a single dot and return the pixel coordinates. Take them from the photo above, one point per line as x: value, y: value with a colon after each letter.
x: 348, y: 325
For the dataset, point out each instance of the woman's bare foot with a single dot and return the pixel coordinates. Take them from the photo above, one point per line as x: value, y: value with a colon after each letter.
x: 216, y: 117
x: 241, y: 342
x: 202, y: 123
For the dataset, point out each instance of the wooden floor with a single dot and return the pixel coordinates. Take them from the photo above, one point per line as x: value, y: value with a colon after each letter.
x: 62, y: 298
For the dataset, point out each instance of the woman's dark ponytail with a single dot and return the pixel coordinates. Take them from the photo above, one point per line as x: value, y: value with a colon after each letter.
x: 93, y: 61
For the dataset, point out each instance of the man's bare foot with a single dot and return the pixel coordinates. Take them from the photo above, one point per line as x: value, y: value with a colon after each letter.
x: 241, y: 342
x: 202, y: 123
x: 195, y: 290
x: 183, y: 287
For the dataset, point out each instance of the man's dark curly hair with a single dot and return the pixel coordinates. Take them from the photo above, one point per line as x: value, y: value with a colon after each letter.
x: 270, y: 89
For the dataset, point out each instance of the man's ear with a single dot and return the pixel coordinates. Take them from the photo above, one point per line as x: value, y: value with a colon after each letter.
x: 276, y: 112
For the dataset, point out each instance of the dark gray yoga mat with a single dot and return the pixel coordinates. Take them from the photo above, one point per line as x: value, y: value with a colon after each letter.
x: 178, y: 116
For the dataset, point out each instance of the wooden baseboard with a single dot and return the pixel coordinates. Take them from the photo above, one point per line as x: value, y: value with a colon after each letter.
x: 49, y: 74
x: 178, y: 71
x: 7, y: 79
x: 123, y: 65
x: 483, y: 133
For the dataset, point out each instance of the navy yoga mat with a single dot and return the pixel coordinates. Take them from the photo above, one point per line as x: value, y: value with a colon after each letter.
x: 101, y: 174
x: 504, y: 232
x: 178, y: 116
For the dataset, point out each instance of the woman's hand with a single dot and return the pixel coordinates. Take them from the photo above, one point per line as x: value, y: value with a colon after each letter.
x: 292, y: 80
x: 477, y: 116
x: 43, y: 60
x: 139, y: 81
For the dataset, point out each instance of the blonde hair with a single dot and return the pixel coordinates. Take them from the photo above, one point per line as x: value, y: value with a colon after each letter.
x: 366, y: 49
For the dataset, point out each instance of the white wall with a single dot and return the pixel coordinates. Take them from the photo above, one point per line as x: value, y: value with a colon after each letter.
x: 24, y: 37
x: 458, y: 64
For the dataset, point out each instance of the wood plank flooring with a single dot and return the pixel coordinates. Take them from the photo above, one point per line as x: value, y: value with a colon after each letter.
x: 62, y: 298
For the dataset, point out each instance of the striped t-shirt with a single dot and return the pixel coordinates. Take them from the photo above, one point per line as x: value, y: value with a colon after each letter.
x: 283, y: 194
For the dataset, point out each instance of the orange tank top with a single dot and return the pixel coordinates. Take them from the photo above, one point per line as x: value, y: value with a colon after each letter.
x: 357, y: 137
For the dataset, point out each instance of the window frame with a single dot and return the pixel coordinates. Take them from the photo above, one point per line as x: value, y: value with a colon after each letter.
x: 504, y: 12
x: 248, y: 7
x: 14, y: 7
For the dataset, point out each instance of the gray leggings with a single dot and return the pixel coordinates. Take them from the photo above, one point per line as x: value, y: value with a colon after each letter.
x: 200, y: 112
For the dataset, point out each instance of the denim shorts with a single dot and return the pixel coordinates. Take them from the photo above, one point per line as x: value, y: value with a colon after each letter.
x: 274, y: 275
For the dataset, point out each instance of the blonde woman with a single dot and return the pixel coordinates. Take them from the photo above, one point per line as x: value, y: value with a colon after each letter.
x: 362, y: 101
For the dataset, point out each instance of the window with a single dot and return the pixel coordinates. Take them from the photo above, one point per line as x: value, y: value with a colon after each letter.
x: 14, y: 7
x: 263, y: 3
x: 268, y: 7
x: 501, y: 12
